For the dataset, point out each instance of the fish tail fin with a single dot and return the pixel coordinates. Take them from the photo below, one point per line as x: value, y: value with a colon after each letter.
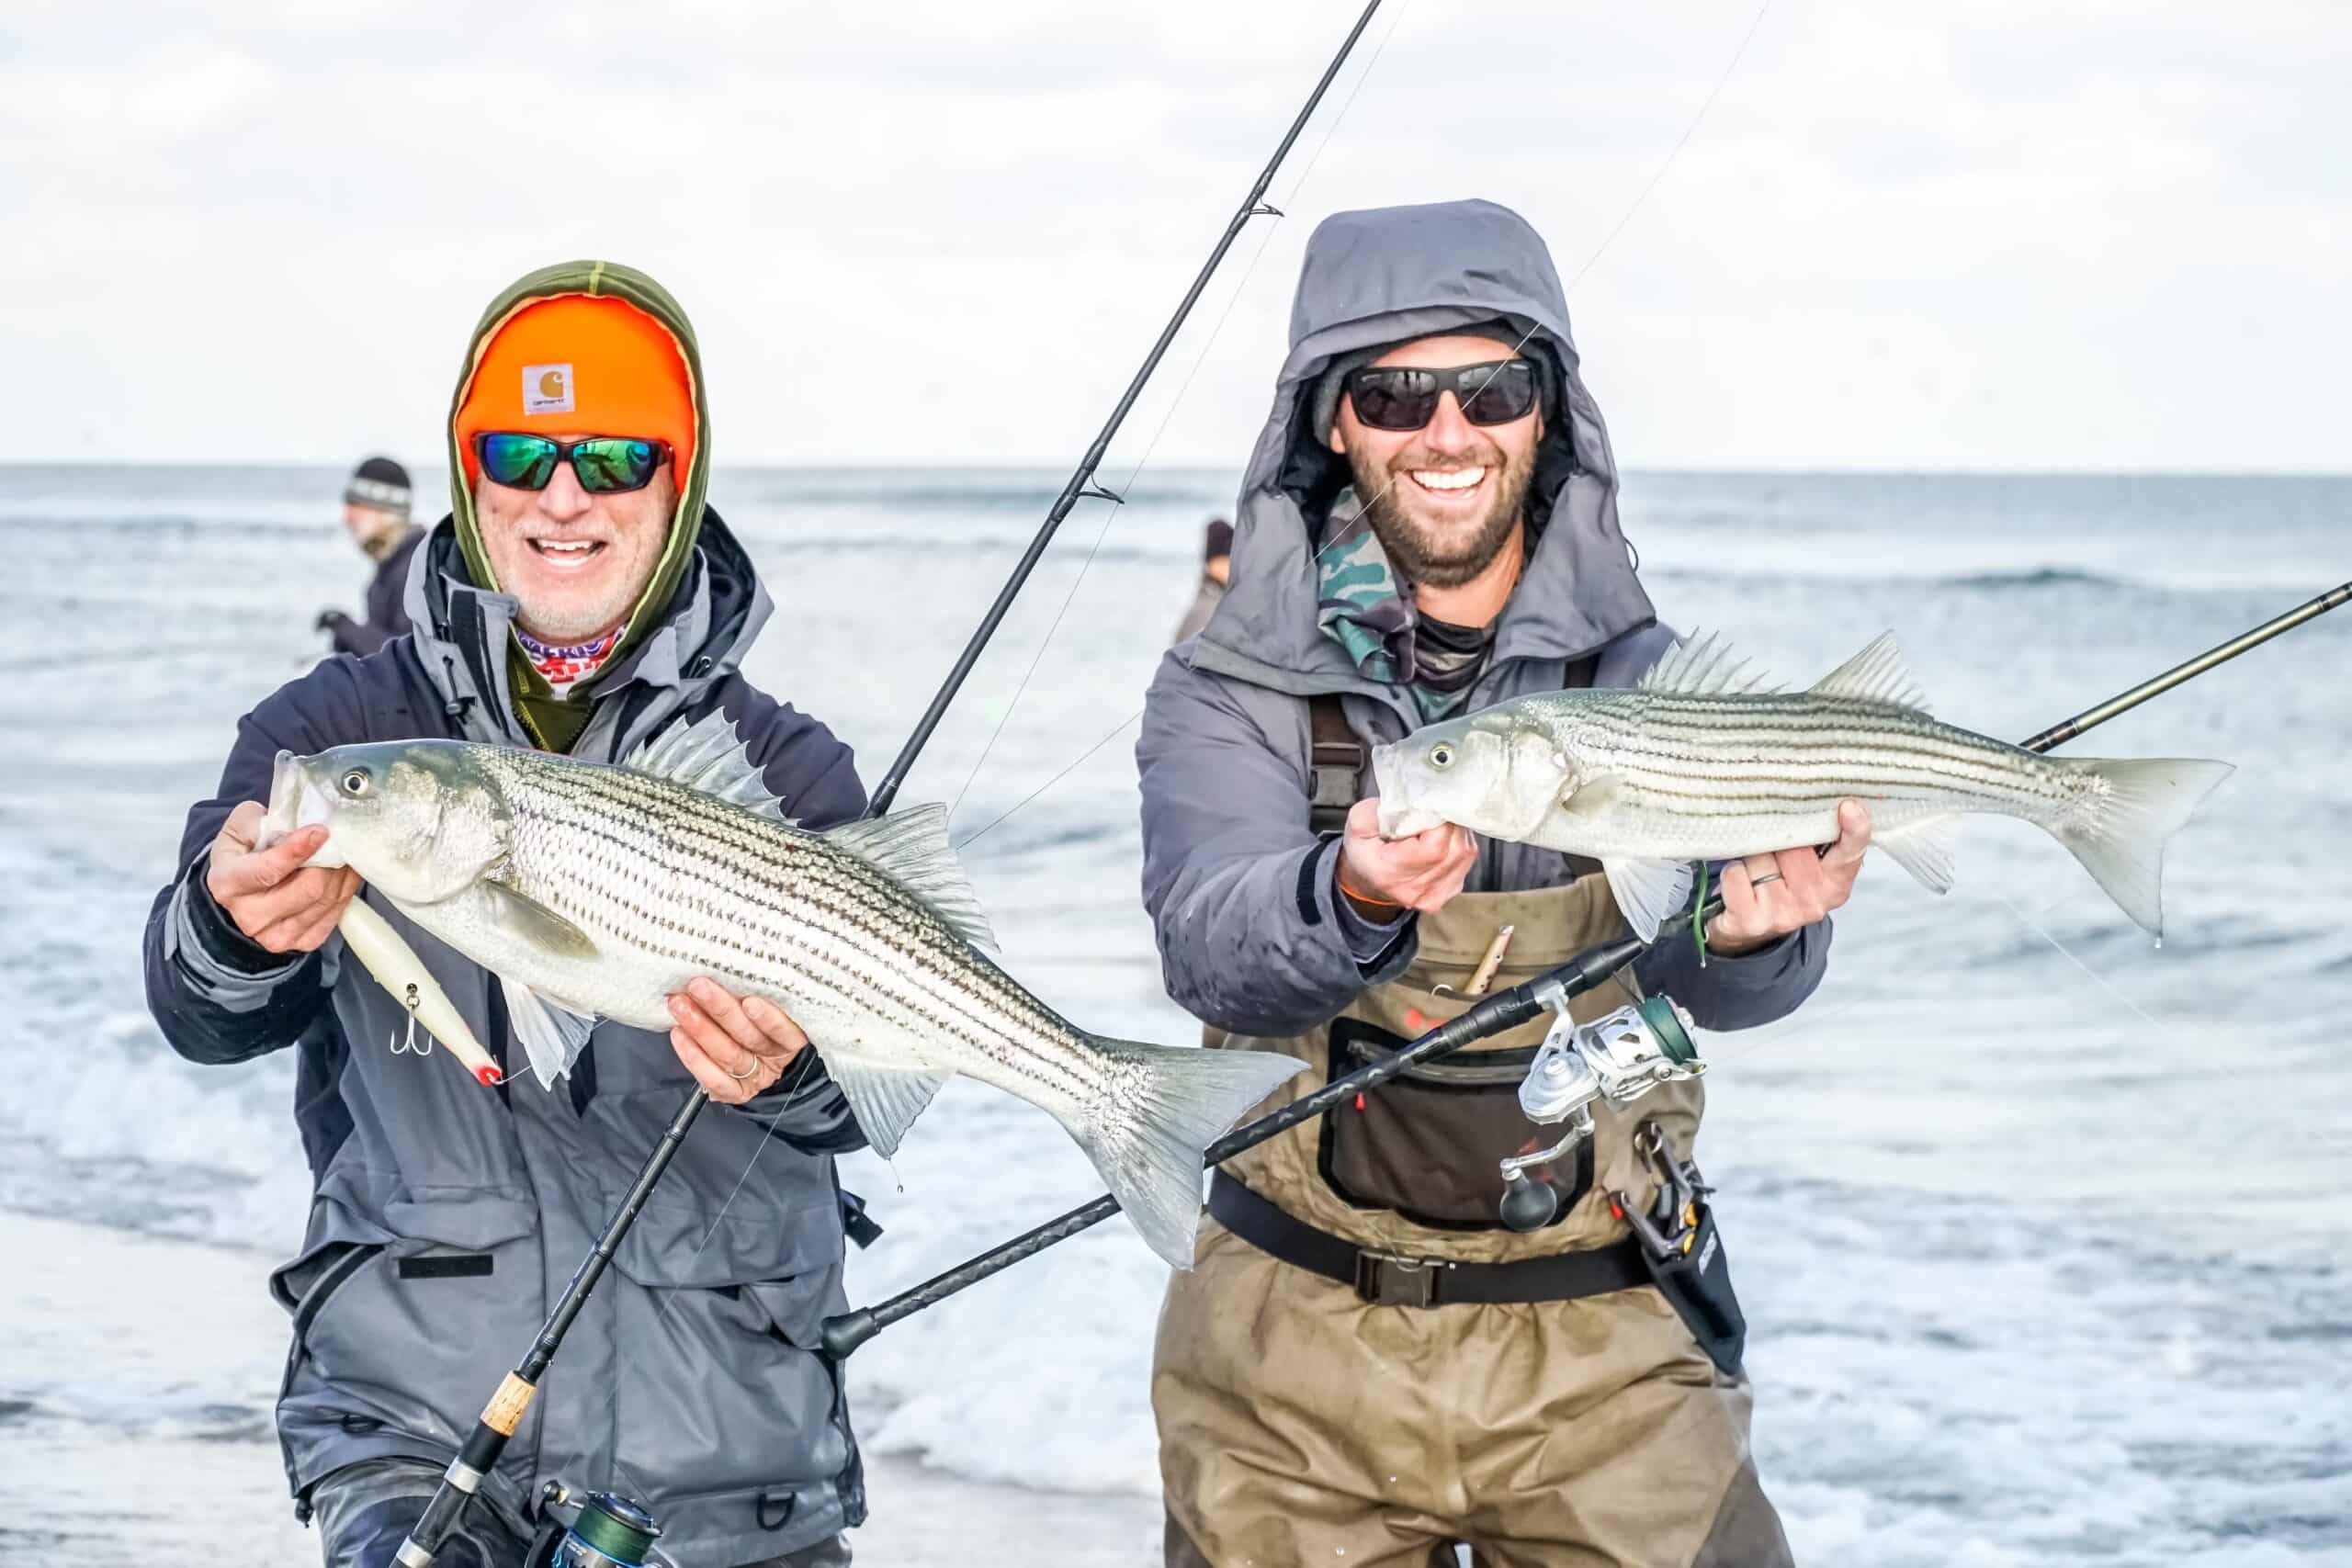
x: 1173, y: 1102
x: 2119, y: 835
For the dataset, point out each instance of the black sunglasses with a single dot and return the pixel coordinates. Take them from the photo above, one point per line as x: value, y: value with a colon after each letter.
x: 1405, y: 397
x: 605, y: 464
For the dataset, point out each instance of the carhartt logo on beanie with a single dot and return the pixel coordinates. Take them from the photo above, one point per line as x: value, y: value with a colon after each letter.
x: 583, y: 366
x: 547, y: 388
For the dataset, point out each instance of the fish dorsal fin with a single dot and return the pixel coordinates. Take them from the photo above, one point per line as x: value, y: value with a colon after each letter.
x: 707, y: 755
x: 911, y: 848
x: 1706, y: 667
x: 885, y: 1100
x: 552, y: 1035
x: 1877, y: 674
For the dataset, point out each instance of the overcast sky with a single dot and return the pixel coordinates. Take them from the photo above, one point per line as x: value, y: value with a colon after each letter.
x: 2065, y: 233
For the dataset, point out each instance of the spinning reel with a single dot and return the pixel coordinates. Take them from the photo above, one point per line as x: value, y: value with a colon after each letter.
x: 1620, y: 1058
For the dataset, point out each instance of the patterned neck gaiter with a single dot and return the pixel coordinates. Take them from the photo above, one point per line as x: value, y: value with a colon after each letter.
x: 562, y: 668
x: 1363, y: 606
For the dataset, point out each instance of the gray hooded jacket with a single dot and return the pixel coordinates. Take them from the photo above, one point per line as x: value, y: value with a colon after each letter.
x: 447, y: 1218
x: 1253, y: 936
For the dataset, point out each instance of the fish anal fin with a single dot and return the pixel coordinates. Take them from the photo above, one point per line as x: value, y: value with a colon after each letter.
x: 551, y: 1034
x: 1647, y: 891
x: 1926, y: 848
x: 1877, y: 674
x: 911, y: 847
x: 885, y: 1100
x: 527, y: 918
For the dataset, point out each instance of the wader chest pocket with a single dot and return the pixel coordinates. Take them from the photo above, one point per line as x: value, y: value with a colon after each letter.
x: 1427, y: 1144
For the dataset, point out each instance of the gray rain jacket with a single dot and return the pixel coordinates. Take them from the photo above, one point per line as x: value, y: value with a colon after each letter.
x: 1253, y: 936
x: 448, y: 1217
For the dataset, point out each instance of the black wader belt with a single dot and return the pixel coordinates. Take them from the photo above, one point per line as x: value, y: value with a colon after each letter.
x: 1386, y: 1280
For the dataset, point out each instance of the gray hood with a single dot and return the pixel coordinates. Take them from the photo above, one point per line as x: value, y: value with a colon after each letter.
x: 1383, y: 275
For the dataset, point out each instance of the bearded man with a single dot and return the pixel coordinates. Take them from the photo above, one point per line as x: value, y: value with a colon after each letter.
x: 1366, y: 1367
x: 580, y: 598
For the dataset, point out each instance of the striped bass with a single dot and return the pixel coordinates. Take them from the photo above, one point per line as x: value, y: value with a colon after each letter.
x: 1705, y: 762
x: 594, y: 892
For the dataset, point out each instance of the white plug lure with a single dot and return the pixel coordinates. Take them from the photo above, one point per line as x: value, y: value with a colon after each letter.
x: 388, y: 957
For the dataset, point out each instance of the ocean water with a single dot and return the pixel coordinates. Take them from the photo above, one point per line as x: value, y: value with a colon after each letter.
x: 2043, y: 1232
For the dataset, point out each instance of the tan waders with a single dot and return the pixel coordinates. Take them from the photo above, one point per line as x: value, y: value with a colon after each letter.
x: 1306, y: 1420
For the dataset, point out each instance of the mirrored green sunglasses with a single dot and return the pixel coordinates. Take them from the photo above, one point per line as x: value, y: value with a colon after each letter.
x: 605, y: 464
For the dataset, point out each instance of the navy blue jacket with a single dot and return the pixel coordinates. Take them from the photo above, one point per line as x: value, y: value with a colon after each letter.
x: 447, y: 1217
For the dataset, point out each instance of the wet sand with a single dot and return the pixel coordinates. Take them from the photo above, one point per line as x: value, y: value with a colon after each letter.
x: 136, y: 1378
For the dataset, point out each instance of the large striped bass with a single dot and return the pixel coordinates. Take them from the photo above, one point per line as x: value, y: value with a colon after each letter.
x: 1701, y: 761
x: 595, y: 892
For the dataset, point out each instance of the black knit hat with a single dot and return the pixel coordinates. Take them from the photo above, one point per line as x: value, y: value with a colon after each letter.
x: 379, y: 482
x: 1218, y: 540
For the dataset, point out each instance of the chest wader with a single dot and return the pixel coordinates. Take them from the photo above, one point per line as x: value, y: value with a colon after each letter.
x: 1364, y: 1364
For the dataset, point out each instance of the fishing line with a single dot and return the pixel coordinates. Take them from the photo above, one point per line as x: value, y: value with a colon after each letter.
x: 1676, y: 151
x: 1058, y: 778
x: 2035, y: 927
x: 1111, y: 509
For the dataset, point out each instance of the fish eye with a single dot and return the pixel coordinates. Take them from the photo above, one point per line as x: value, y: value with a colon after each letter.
x: 356, y: 781
x: 1441, y: 755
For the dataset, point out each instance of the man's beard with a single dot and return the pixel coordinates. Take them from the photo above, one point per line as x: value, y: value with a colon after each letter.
x: 1419, y: 554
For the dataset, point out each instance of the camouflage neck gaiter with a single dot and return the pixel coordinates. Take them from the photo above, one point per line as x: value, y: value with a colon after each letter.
x: 1363, y: 606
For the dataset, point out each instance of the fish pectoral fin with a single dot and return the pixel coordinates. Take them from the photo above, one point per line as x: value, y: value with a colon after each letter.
x: 1589, y: 800
x: 1647, y: 891
x: 1877, y: 674
x: 552, y: 1034
x: 1706, y: 667
x: 708, y: 755
x: 885, y: 1100
x: 1926, y: 849
x: 911, y: 848
x: 536, y: 923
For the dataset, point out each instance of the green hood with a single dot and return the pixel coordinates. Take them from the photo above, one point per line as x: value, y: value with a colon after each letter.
x: 554, y: 720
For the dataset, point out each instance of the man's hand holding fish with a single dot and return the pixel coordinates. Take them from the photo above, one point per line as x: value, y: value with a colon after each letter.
x: 1767, y: 897
x: 281, y: 904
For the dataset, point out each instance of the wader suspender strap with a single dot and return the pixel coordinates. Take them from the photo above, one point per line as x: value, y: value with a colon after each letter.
x: 1337, y: 759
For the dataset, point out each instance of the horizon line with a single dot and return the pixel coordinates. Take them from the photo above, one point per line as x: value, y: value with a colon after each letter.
x: 1056, y: 467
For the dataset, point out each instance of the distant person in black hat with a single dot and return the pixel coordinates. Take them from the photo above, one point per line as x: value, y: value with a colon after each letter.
x: 1216, y: 570
x: 375, y: 510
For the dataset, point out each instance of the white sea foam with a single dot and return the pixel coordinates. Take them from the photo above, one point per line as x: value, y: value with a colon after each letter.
x: 2030, y: 1281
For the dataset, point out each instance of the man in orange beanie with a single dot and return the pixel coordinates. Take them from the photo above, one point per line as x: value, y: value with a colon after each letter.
x: 579, y: 598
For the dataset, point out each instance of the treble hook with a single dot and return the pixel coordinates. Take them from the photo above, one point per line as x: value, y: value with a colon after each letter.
x: 409, y: 1047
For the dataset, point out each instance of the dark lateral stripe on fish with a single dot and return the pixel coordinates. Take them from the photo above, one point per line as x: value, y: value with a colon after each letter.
x: 951, y: 990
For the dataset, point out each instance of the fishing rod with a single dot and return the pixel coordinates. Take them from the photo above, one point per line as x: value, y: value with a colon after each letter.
x: 1504, y: 1010
x: 501, y: 1417
x: 1081, y: 479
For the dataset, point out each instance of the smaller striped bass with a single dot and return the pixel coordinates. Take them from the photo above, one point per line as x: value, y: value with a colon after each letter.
x: 1702, y: 761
